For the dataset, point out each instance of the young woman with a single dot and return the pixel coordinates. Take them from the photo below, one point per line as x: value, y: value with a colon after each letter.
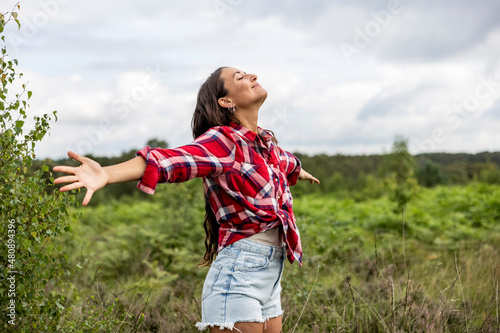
x: 250, y: 226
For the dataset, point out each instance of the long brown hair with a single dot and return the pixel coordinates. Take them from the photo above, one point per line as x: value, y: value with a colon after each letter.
x: 207, y: 114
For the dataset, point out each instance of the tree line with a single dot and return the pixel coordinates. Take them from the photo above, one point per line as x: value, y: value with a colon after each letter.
x: 356, y: 176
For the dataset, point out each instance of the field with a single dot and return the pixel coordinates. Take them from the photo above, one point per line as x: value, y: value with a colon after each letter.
x: 368, y: 266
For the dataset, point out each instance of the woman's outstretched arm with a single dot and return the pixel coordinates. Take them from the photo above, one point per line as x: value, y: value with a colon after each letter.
x: 92, y: 176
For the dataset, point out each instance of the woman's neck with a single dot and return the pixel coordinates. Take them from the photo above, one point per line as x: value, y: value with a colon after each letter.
x: 249, y: 120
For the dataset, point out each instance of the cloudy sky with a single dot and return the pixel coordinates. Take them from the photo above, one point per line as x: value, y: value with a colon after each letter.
x: 342, y: 76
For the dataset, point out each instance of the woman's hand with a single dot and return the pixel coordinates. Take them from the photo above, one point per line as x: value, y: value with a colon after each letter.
x: 304, y: 175
x: 89, y: 174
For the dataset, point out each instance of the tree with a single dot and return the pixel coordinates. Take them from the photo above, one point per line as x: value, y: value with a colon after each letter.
x: 157, y: 143
x: 430, y: 174
x: 399, y: 171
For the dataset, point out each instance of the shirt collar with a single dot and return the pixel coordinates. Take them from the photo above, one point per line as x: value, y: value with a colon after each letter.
x: 251, y: 136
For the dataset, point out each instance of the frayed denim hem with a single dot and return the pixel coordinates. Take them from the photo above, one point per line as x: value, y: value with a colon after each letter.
x: 272, y: 317
x: 230, y: 326
x: 222, y: 326
x: 266, y: 319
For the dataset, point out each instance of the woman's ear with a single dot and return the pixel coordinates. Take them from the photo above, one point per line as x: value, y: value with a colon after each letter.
x: 224, y: 102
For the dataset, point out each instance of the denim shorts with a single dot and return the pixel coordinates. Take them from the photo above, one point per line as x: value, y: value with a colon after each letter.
x: 243, y: 285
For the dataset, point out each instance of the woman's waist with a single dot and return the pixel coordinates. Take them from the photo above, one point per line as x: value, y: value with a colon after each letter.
x: 272, y: 237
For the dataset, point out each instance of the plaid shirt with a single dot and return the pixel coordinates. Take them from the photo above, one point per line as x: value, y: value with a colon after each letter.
x: 246, y: 179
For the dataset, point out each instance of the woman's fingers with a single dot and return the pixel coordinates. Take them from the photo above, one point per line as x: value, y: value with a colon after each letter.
x: 76, y: 186
x: 88, y: 195
x: 69, y: 169
x: 65, y: 179
x: 70, y: 187
x: 89, y: 174
x: 314, y: 180
x: 75, y: 156
x: 64, y: 168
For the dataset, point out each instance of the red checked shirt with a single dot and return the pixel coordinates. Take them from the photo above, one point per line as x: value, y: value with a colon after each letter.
x: 246, y: 179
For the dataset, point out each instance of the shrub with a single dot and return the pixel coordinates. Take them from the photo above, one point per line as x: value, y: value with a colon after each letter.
x: 32, y: 292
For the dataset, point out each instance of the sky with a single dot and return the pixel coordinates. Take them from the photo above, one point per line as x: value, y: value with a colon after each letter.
x: 343, y: 77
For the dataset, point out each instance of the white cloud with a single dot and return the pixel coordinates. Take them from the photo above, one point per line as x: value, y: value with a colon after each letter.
x: 85, y: 59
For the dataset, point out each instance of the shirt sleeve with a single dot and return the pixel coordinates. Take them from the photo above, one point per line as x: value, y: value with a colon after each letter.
x: 211, y: 154
x: 292, y: 166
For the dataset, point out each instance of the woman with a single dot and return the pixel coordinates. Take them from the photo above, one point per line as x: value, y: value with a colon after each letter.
x: 249, y: 222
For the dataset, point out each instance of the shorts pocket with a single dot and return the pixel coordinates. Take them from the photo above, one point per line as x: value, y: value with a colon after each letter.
x: 253, y: 262
x: 210, y: 280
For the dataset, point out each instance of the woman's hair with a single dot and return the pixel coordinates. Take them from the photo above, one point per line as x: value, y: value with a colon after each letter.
x: 207, y: 114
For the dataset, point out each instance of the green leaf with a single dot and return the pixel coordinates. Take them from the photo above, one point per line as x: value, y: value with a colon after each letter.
x: 29, y: 94
x: 59, y: 306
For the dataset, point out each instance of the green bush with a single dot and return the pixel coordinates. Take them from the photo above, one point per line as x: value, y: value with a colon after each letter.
x: 33, y: 293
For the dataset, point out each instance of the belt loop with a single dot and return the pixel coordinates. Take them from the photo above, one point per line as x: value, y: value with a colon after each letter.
x: 271, y: 255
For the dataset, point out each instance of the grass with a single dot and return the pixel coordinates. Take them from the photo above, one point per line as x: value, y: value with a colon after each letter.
x: 359, y: 273
x: 440, y: 292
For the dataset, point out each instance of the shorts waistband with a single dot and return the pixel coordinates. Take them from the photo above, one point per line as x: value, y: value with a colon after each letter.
x: 272, y: 252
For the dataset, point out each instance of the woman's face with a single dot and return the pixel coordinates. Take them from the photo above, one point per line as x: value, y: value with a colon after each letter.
x: 243, y: 89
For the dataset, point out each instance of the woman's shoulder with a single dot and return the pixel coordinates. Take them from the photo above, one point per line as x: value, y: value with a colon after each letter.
x: 218, y: 130
x: 225, y: 134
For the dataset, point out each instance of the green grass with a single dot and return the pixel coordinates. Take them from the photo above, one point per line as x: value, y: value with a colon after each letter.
x: 359, y: 273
